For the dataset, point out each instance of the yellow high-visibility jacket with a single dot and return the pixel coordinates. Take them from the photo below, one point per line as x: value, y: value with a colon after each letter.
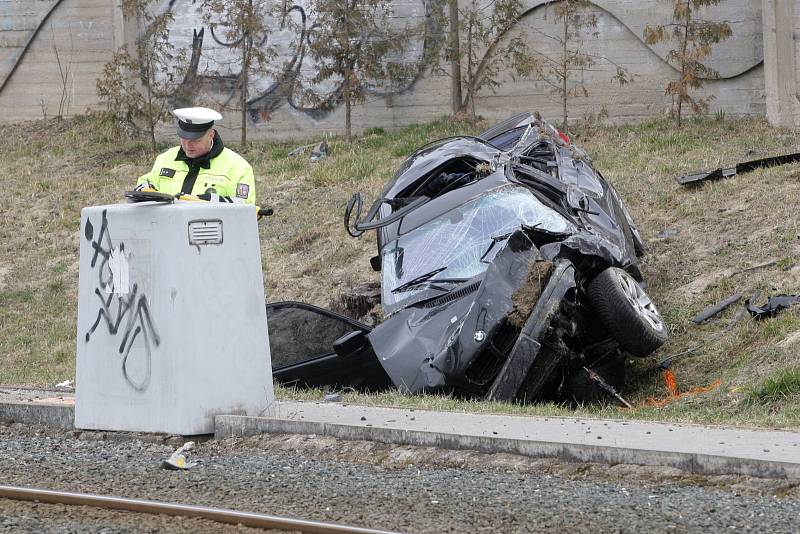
x: 221, y: 175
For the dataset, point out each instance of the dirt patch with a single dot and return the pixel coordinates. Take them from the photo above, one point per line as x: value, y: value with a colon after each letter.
x: 699, y: 285
x: 303, y: 240
x: 526, y: 297
x: 792, y: 339
x: 361, y: 303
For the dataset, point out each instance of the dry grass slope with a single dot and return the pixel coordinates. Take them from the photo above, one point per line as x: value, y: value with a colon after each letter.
x: 51, y: 170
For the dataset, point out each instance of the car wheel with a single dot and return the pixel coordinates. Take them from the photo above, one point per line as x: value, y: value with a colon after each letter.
x: 627, y: 312
x: 579, y: 388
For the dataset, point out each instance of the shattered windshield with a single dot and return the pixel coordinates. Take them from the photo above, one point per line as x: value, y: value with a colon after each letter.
x: 461, y: 243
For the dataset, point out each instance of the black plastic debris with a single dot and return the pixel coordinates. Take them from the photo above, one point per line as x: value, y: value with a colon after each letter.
x: 740, y: 168
x: 666, y: 362
x: 711, y: 311
x: 773, y: 306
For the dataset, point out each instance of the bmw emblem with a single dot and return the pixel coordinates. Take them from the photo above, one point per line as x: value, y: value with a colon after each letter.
x: 479, y: 336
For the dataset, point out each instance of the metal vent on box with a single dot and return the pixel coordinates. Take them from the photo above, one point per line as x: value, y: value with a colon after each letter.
x: 205, y: 232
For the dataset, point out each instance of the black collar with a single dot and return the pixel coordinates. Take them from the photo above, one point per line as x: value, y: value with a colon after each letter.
x: 204, y: 160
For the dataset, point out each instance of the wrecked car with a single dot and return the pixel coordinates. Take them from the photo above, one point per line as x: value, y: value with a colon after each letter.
x: 509, y: 271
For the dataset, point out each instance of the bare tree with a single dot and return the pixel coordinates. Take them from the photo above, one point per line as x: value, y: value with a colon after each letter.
x: 575, y: 21
x: 355, y: 46
x: 479, y: 47
x: 245, y: 26
x: 65, y: 76
x: 694, y: 38
x: 137, y: 85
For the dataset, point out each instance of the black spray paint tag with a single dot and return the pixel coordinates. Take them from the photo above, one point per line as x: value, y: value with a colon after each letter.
x: 167, y: 172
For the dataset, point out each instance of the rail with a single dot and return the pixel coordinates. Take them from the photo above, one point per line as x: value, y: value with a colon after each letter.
x: 220, y: 515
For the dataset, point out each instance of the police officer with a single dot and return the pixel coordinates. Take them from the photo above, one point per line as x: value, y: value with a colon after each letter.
x: 201, y: 165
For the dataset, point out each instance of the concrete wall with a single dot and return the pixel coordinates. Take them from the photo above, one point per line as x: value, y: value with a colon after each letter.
x: 781, y: 51
x: 86, y: 32
x: 31, y: 83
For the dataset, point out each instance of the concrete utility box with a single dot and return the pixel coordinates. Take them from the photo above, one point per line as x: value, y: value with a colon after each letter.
x: 172, y: 326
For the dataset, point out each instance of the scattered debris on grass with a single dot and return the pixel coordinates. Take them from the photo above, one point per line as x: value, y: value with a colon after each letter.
x: 667, y: 233
x: 693, y: 179
x: 320, y: 151
x: 773, y: 306
x: 711, y: 311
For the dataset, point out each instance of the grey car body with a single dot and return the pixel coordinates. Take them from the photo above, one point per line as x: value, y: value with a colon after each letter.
x: 508, y: 271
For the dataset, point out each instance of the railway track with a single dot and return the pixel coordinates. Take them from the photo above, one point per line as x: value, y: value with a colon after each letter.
x: 220, y: 515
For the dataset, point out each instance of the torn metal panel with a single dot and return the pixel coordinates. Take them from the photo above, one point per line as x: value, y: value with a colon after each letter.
x: 517, y: 121
x: 697, y: 178
x: 772, y: 307
x: 452, y: 335
x: 526, y: 351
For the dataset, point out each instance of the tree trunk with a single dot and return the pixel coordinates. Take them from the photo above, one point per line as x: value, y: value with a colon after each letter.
x: 243, y: 102
x: 348, y: 108
x: 151, y: 116
x: 683, y: 88
x: 565, y: 74
x: 455, y: 59
x: 469, y: 101
x: 153, y: 138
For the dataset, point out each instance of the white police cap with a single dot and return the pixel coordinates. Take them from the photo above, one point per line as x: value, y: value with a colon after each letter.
x: 194, y: 122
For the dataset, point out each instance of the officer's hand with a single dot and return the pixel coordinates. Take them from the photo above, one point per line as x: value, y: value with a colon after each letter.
x: 193, y: 198
x: 263, y: 212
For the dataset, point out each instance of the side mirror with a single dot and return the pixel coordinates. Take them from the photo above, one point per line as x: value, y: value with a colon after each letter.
x: 375, y: 262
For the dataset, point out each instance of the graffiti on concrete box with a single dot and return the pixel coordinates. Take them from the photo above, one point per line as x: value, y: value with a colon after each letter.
x: 123, y: 308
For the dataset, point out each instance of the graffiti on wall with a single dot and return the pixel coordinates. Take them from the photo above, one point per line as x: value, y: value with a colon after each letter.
x: 214, y: 66
x: 130, y: 320
x: 213, y: 69
x: 214, y: 61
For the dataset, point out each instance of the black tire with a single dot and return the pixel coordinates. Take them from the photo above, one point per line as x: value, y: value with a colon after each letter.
x: 579, y: 388
x: 627, y: 312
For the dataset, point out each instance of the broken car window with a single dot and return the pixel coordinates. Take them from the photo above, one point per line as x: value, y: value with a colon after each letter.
x: 461, y: 240
x: 319, y: 328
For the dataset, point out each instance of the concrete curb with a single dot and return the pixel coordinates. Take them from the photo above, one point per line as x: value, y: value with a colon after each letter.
x: 52, y: 415
x: 235, y: 425
x: 692, y: 448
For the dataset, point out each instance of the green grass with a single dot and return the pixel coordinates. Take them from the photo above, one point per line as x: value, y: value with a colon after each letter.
x: 53, y: 169
x: 782, y: 386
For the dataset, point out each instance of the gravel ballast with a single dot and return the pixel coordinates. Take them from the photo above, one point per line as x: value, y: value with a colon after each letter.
x: 375, y: 485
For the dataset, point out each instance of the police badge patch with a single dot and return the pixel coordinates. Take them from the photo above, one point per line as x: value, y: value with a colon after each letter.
x: 242, y: 190
x: 169, y: 173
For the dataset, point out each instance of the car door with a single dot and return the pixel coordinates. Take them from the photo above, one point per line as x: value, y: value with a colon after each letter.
x: 313, y: 347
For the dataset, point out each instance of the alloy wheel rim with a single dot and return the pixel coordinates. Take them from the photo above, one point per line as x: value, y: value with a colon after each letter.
x: 640, y: 301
